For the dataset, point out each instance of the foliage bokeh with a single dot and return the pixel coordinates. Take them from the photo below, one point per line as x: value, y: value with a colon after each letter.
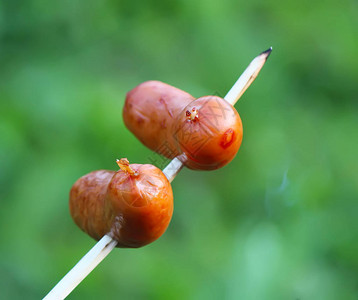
x: 279, y: 222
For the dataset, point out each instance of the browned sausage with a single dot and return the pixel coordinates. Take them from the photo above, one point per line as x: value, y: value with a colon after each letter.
x: 208, y: 132
x: 161, y: 117
x: 133, y: 205
x: 149, y: 112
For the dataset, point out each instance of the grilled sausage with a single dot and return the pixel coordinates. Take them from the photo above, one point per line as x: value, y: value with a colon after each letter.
x: 205, y: 133
x: 133, y: 205
x: 149, y: 112
x: 208, y: 132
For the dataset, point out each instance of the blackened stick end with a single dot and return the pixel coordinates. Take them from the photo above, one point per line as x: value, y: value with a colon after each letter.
x: 267, y: 53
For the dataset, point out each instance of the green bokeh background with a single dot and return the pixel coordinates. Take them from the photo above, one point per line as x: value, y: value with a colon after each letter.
x: 279, y: 222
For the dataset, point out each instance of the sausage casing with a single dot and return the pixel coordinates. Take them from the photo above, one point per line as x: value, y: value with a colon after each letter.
x: 157, y: 114
x: 139, y: 208
x: 149, y: 112
x: 134, y: 208
x: 209, y: 133
x: 87, y: 197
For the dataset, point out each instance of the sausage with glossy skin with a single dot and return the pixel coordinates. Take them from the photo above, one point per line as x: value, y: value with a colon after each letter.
x: 87, y: 197
x: 161, y: 117
x: 209, y: 133
x: 133, y: 205
x: 149, y: 112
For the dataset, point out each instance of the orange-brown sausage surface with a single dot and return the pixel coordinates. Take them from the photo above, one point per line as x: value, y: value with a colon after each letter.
x: 149, y: 112
x: 157, y: 114
x: 133, y: 205
x: 209, y: 133
x: 139, y: 207
x: 87, y: 197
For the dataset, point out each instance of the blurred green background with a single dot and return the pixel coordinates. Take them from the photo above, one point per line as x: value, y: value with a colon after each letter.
x: 279, y: 222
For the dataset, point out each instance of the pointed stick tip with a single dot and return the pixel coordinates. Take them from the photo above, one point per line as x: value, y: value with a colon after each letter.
x: 267, y: 53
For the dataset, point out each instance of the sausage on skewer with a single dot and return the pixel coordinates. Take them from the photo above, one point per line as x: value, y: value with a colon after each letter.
x: 133, y: 205
x: 205, y: 133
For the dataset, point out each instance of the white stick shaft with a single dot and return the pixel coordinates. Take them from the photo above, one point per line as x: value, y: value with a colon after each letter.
x: 247, y: 77
x: 82, y: 269
x: 172, y: 169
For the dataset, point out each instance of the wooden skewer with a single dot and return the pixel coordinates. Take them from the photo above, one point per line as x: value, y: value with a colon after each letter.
x: 247, y: 77
x: 66, y: 285
x: 103, y: 247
